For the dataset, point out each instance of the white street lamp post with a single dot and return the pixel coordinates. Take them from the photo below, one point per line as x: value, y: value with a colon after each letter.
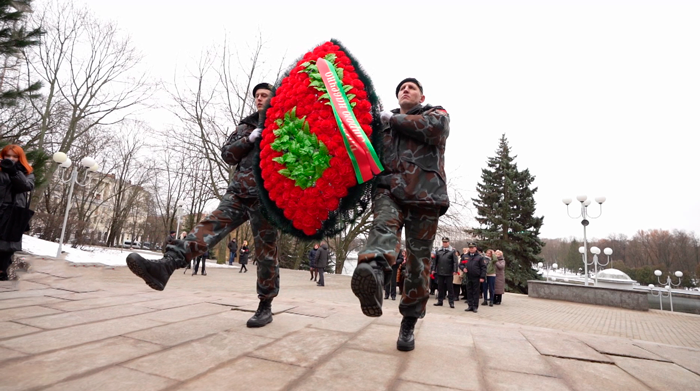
x: 178, y: 212
x: 540, y: 265
x: 65, y: 162
x: 584, y: 216
x: 669, y: 285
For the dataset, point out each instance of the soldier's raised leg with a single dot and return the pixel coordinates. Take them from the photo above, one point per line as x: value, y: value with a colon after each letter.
x: 230, y: 213
x: 375, y: 260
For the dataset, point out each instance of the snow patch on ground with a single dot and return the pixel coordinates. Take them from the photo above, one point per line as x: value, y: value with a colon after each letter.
x: 92, y: 255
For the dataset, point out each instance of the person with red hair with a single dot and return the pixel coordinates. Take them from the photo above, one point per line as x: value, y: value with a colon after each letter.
x: 16, y: 179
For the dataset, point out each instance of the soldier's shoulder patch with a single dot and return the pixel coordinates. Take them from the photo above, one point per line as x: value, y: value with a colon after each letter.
x: 442, y: 111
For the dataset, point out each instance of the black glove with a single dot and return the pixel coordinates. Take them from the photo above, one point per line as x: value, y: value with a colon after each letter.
x: 8, y: 167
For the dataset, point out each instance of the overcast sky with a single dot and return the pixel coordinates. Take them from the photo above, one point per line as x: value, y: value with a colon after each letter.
x: 596, y: 98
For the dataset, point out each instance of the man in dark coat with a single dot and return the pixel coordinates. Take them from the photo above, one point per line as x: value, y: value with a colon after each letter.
x: 444, y: 267
x: 411, y: 193
x: 238, y: 205
x: 390, y: 286
x: 169, y: 240
x: 233, y: 248
x: 475, y: 268
x: 321, y: 259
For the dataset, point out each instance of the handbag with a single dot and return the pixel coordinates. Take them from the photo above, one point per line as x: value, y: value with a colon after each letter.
x: 14, y: 220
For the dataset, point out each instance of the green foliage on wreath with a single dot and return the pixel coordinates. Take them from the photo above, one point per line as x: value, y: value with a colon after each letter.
x: 305, y: 157
x: 316, y: 81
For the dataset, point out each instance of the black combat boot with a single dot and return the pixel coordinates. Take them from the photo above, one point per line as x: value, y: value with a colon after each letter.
x: 155, y: 273
x: 263, y: 315
x: 368, y: 285
x: 406, y: 342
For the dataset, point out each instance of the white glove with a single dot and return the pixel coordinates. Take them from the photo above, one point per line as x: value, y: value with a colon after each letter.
x: 255, y: 134
x: 385, y: 117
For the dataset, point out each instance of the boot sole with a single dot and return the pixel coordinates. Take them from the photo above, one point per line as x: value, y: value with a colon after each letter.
x: 404, y: 347
x: 137, y: 268
x: 253, y: 325
x: 364, y: 286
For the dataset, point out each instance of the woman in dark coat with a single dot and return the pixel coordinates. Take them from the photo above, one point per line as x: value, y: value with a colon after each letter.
x: 500, y: 278
x: 243, y: 256
x: 16, y: 180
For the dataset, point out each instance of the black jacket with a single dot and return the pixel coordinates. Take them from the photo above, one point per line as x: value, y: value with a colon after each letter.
x: 232, y: 246
x: 322, y: 257
x: 446, y: 261
x: 474, y: 265
x: 243, y: 258
x: 17, y: 185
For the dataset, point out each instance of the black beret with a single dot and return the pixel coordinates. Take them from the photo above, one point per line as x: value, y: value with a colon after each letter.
x: 407, y: 80
x: 264, y: 86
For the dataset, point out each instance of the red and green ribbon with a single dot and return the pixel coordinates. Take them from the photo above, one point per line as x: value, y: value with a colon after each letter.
x: 362, y: 155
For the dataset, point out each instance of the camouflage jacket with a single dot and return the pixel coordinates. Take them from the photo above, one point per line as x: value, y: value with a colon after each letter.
x: 414, y: 156
x: 237, y: 151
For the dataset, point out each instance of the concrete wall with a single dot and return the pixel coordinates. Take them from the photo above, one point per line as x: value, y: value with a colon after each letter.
x: 623, y: 298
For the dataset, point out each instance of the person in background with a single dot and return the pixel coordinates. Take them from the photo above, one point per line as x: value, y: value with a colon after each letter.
x: 490, y: 278
x: 321, y: 262
x: 445, y: 267
x: 243, y: 257
x: 16, y: 180
x: 463, y: 263
x: 169, y: 240
x: 401, y: 274
x: 500, y: 285
x: 233, y: 249
x: 457, y: 278
x: 390, y: 286
x: 475, y: 267
x: 202, y: 258
x: 312, y: 263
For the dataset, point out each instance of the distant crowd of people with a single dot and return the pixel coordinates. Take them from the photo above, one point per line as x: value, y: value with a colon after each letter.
x: 473, y: 274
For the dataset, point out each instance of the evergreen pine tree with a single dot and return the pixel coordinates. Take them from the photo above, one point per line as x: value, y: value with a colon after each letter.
x: 14, y: 38
x: 506, y: 212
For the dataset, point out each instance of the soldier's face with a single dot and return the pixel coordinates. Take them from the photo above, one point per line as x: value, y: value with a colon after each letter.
x: 410, y: 95
x: 262, y: 96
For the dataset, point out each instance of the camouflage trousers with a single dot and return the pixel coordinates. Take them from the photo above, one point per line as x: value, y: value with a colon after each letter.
x: 229, y: 215
x: 383, y: 244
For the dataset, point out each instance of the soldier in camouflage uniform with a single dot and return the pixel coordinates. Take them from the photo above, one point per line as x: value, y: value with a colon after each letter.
x: 410, y: 193
x: 239, y: 204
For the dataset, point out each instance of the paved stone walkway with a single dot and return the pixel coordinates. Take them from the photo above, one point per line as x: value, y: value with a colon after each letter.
x: 94, y: 328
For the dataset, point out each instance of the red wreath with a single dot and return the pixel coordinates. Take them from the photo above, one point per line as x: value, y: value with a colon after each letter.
x: 308, y: 208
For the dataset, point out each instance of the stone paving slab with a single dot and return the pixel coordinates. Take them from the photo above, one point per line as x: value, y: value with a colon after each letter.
x: 618, y: 347
x: 45, y: 341
x: 115, y: 379
x: 591, y: 376
x: 686, y: 358
x: 516, y: 381
x: 177, y: 314
x: 46, y: 369
x: 355, y: 369
x: 6, y: 354
x: 29, y: 301
x: 12, y: 329
x: 431, y: 365
x: 659, y: 375
x: 518, y: 355
x: 197, y: 357
x: 26, y: 312
x: 558, y: 345
x: 67, y: 319
x: 246, y: 374
x: 191, y: 329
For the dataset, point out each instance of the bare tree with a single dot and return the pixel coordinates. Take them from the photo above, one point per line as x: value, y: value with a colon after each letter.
x: 90, y: 70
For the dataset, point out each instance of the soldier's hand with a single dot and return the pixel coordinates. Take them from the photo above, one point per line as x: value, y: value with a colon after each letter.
x: 385, y: 117
x: 254, y: 135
